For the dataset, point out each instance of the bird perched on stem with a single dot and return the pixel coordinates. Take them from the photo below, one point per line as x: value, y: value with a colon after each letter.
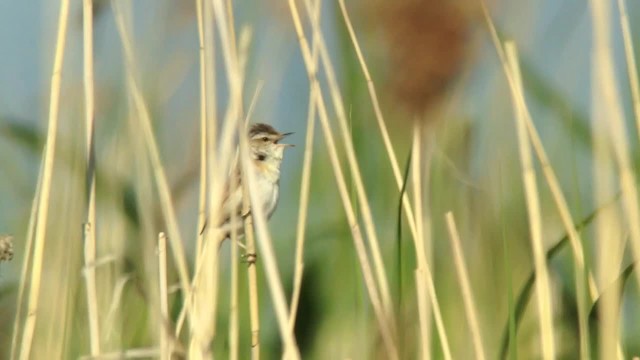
x: 266, y: 153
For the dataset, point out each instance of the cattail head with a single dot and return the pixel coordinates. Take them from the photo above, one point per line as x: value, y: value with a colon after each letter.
x: 428, y: 44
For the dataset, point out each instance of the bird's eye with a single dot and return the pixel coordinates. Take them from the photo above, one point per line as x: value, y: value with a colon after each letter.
x: 261, y: 157
x: 265, y: 139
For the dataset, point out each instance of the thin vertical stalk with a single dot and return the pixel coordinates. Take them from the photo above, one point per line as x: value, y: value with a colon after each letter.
x: 305, y: 184
x: 303, y: 209
x: 581, y: 276
x: 165, y: 350
x: 25, y: 263
x: 582, y: 287
x: 465, y: 285
x: 397, y: 174
x: 632, y: 70
x: 253, y: 290
x: 43, y: 201
x: 424, y: 279
x: 610, y: 141
x: 233, y: 293
x: 166, y: 204
x: 202, y: 198
x: 609, y: 111
x: 90, y: 225
x: 381, y: 316
x: 367, y: 216
x: 252, y: 273
x: 543, y: 287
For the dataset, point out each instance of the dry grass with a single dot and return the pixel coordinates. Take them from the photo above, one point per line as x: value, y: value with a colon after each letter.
x: 355, y: 286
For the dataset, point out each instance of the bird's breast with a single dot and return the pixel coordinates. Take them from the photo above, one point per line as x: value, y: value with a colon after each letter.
x: 268, y: 191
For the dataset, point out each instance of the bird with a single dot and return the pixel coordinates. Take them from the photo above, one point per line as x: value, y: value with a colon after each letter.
x: 266, y: 154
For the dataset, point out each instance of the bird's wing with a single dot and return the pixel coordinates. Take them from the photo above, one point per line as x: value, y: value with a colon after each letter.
x: 231, y: 200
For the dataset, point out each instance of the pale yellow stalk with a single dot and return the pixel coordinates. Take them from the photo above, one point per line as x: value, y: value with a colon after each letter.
x: 632, y: 70
x: 165, y: 320
x: 369, y: 226
x: 25, y: 264
x: 252, y: 271
x: 203, y: 326
x: 305, y: 184
x: 605, y: 91
x: 90, y: 225
x: 252, y: 274
x: 47, y: 174
x: 166, y: 205
x: 515, y: 83
x: 559, y: 200
x: 233, y: 293
x: 465, y: 285
x: 397, y: 174
x: 202, y: 198
x: 543, y: 286
x: 381, y: 316
x: 610, y: 141
x: 425, y: 287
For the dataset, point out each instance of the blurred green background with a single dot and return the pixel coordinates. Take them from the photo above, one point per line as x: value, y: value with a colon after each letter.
x: 430, y: 59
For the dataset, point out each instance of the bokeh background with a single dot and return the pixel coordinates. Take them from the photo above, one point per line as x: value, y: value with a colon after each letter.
x: 431, y: 62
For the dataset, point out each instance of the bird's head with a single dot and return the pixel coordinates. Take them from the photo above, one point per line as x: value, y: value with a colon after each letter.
x: 265, y: 144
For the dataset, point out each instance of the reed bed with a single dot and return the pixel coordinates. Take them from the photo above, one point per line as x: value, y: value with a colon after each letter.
x: 423, y: 212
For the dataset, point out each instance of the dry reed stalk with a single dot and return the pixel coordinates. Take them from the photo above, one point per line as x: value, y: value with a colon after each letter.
x: 465, y: 285
x: 305, y: 184
x: 202, y: 197
x: 423, y: 320
x: 610, y: 140
x: 397, y: 174
x: 90, y: 225
x: 559, y: 200
x: 582, y: 284
x: 612, y: 113
x: 175, y: 239
x: 267, y: 254
x: 632, y: 71
x: 515, y: 84
x: 252, y: 270
x: 203, y: 325
x: 424, y: 279
x: 233, y: 293
x: 422, y: 266
x: 543, y: 286
x: 253, y: 284
x: 252, y: 274
x: 233, y: 301
x: 25, y: 263
x: 370, y: 283
x: 367, y: 217
x: 203, y: 298
x: 165, y: 319
x: 47, y: 174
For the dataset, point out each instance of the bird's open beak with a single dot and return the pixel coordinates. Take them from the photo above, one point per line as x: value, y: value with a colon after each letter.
x: 283, y: 136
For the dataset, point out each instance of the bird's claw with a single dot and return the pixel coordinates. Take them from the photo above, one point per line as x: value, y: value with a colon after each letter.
x: 249, y: 258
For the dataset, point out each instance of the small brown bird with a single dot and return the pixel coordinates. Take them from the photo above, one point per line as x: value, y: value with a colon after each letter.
x: 266, y: 153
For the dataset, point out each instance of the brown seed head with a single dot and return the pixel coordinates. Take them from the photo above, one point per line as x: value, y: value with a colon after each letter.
x: 428, y: 44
